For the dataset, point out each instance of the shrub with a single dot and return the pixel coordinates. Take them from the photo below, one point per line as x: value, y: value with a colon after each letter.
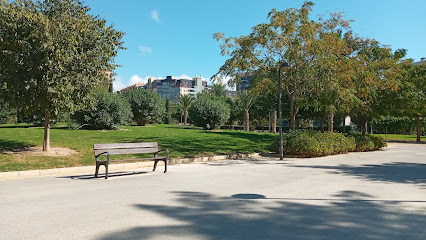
x: 108, y: 112
x: 315, y: 144
x: 147, y: 106
x: 209, y: 111
x: 367, y: 142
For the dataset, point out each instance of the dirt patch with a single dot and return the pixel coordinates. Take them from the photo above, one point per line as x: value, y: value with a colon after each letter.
x: 37, y: 151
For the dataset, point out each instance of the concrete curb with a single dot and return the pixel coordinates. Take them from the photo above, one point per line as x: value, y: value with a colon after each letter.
x: 114, y: 167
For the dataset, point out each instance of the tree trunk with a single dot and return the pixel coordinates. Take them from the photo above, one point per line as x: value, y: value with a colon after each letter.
x: 270, y: 122
x: 322, y: 121
x: 274, y: 121
x: 331, y: 121
x: 418, y: 129
x: 246, y: 121
x: 292, y: 121
x: 185, y: 116
x: 46, y: 140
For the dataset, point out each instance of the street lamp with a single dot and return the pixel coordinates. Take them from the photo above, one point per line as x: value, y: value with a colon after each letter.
x: 284, y: 67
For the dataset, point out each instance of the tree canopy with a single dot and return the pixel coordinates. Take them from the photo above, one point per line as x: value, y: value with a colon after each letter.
x: 53, y: 54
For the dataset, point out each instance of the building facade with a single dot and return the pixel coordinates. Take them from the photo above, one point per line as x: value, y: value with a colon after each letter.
x: 171, y: 88
x: 244, y: 84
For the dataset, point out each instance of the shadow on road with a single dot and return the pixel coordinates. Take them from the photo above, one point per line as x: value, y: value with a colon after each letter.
x: 398, y: 172
x: 113, y: 174
x: 254, y: 216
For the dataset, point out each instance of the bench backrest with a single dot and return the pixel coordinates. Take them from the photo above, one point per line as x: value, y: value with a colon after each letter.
x: 125, y: 148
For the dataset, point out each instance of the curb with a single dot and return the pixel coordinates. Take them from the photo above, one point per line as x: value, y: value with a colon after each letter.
x: 115, y: 167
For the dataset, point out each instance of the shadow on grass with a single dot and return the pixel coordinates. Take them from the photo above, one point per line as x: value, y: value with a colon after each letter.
x: 13, y: 146
x: 399, y: 172
x: 405, y: 141
x: 102, y: 175
x: 254, y: 216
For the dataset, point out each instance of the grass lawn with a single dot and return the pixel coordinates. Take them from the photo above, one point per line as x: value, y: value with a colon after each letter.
x: 180, y: 140
x: 399, y: 137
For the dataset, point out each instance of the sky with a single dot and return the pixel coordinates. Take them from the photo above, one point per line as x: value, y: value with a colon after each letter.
x: 174, y: 37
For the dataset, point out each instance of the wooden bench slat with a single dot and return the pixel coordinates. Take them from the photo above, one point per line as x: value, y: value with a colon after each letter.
x: 126, y: 151
x: 140, y: 159
x: 125, y: 145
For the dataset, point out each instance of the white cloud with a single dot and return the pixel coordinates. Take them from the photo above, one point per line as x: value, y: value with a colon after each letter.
x: 136, y: 79
x: 183, y: 76
x: 118, y: 83
x: 145, y: 50
x: 155, y: 15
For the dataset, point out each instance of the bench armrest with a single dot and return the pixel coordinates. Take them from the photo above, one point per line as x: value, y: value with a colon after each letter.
x: 100, y: 154
x: 167, y: 150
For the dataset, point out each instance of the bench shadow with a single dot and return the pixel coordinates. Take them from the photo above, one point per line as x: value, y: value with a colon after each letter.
x: 102, y: 175
x: 352, y: 215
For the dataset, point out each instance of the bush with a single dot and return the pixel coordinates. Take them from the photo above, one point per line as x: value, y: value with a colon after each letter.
x: 397, y: 125
x: 147, y: 106
x: 315, y: 144
x: 209, y: 111
x: 109, y: 111
x: 367, y: 142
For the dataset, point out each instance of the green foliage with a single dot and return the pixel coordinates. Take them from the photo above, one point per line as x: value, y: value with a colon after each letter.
x: 218, y: 89
x: 185, y: 102
x: 147, y: 106
x: 367, y: 142
x: 304, y: 143
x: 315, y: 144
x: 7, y: 114
x: 209, y: 111
x: 397, y: 125
x: 53, y: 55
x: 109, y: 112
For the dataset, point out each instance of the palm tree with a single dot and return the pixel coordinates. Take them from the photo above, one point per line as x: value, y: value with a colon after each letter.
x: 246, y: 101
x: 185, y: 101
x: 218, y: 89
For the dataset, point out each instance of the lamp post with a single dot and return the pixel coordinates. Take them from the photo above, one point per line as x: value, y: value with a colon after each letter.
x: 284, y: 67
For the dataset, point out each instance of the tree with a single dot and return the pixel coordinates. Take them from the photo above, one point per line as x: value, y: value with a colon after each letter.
x: 410, y: 98
x: 110, y: 110
x: 288, y: 37
x: 185, y: 101
x: 209, y: 111
x: 53, y: 54
x: 375, y: 69
x: 246, y: 101
x: 147, y: 106
x: 218, y: 89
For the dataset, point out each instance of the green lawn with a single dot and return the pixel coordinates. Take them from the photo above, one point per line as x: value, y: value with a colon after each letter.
x: 399, y: 137
x: 181, y: 141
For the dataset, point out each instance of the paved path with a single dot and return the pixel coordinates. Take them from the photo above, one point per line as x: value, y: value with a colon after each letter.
x: 374, y: 195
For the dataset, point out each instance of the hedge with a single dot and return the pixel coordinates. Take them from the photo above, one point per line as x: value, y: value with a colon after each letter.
x: 303, y: 143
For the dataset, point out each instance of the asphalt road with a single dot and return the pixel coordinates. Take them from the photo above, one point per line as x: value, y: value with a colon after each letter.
x: 373, y: 195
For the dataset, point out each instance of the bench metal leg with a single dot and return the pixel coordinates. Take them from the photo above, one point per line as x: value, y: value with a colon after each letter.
x: 155, y: 165
x: 165, y: 165
x: 98, y: 164
x: 106, y: 166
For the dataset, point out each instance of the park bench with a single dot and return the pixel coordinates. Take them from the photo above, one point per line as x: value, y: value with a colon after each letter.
x: 127, y: 148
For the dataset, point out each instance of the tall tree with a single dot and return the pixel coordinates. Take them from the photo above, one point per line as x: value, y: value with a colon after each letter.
x: 375, y: 68
x: 185, y: 101
x: 288, y: 37
x: 246, y: 100
x: 53, y: 54
x: 410, y: 98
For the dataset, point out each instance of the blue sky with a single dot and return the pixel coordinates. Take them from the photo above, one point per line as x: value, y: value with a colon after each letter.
x: 175, y: 37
